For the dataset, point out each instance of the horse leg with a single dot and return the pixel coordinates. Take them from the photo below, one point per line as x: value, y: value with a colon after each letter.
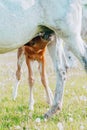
x: 73, y: 32
x: 64, y: 61
x: 20, y: 59
x: 44, y: 81
x: 60, y: 69
x: 79, y: 49
x: 70, y: 33
x: 31, y: 82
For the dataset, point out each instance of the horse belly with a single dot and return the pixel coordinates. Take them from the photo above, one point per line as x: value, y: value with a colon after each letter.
x: 17, y: 27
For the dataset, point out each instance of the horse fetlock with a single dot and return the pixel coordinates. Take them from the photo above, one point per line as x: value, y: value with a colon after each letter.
x: 31, y: 81
x: 14, y: 96
x: 49, y: 101
x: 50, y: 97
x: 31, y: 106
x: 53, y: 110
x: 18, y: 74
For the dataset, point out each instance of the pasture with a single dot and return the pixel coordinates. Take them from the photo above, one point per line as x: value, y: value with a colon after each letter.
x: 14, y: 115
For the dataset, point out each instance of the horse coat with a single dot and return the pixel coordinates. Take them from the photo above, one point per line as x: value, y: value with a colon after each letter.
x: 21, y: 20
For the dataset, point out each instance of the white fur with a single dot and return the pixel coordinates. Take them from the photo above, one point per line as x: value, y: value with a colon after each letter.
x: 19, y: 25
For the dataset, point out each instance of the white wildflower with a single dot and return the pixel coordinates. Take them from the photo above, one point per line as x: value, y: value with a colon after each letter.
x: 37, y: 128
x: 66, y: 91
x: 81, y: 127
x: 71, y: 119
x: 18, y: 127
x: 85, y: 87
x: 47, y: 109
x: 83, y: 98
x: 38, y: 120
x: 45, y: 120
x: 60, y: 126
x: 76, y: 98
x: 72, y: 83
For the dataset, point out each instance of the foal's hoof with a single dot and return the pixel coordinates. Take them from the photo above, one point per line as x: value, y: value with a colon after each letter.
x: 50, y: 98
x: 31, y: 108
x: 14, y: 97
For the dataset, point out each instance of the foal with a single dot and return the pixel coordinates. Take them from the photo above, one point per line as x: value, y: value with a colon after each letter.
x: 33, y: 50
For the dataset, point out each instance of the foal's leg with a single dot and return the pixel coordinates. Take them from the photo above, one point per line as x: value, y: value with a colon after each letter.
x: 60, y: 69
x: 20, y: 59
x: 44, y: 81
x: 31, y: 82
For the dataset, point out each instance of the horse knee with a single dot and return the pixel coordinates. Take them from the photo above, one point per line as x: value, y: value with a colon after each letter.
x: 62, y: 73
x: 31, y: 81
x: 43, y: 81
x: 18, y: 75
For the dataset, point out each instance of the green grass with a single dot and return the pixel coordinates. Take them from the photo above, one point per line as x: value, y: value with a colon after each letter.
x: 14, y: 115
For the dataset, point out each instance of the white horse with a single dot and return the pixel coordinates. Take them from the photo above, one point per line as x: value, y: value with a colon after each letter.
x: 21, y: 20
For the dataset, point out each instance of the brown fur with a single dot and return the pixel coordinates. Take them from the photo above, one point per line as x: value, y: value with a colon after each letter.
x: 34, y: 50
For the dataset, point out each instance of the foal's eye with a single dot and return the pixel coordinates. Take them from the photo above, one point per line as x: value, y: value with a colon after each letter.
x: 32, y: 43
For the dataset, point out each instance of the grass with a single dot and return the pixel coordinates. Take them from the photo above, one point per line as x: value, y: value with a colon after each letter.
x: 14, y: 115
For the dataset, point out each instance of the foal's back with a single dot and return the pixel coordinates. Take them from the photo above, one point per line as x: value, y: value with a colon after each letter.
x: 35, y: 49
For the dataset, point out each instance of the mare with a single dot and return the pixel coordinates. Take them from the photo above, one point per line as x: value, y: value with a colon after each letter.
x: 21, y: 21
